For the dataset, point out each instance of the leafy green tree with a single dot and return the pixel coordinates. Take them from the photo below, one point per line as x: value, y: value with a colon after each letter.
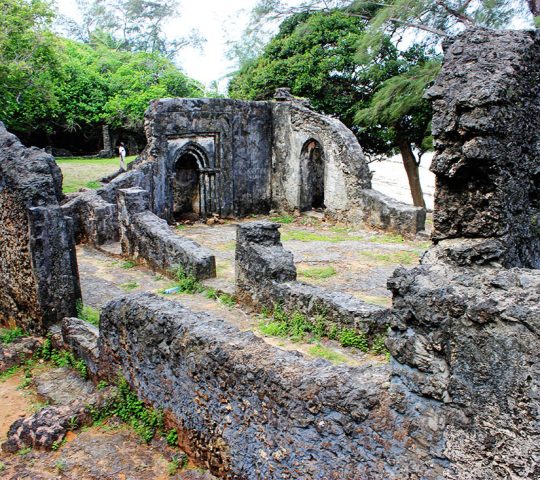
x: 28, y: 62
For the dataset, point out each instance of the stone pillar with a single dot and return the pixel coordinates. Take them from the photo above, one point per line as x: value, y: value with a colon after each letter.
x: 130, y: 202
x: 260, y: 259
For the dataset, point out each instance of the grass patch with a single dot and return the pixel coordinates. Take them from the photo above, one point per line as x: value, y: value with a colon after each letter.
x: 88, y: 313
x: 297, y: 327
x: 283, y: 219
x: 317, y: 272
x: 180, y: 227
x: 79, y: 172
x: 387, y: 238
x: 391, y: 258
x: 224, y: 298
x: 9, y: 335
x: 327, y: 236
x: 326, y: 353
x: 127, y: 264
x: 128, y: 286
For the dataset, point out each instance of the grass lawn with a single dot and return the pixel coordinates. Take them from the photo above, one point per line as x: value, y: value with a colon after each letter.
x: 85, y: 172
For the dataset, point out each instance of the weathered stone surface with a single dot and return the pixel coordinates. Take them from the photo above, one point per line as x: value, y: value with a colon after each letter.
x: 384, y: 213
x: 465, y: 345
x: 63, y: 386
x: 96, y: 220
x: 266, y: 274
x: 45, y: 428
x: 81, y: 338
x: 17, y: 352
x: 246, y: 409
x: 145, y: 236
x: 38, y: 269
x: 486, y: 130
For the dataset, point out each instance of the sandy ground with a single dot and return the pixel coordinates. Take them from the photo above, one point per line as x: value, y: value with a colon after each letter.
x: 389, y: 177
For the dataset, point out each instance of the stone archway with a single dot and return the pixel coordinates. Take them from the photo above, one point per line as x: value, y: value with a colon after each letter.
x: 194, y: 184
x: 312, y: 171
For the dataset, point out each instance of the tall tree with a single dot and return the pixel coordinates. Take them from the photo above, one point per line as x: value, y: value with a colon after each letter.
x: 28, y: 61
x: 134, y: 25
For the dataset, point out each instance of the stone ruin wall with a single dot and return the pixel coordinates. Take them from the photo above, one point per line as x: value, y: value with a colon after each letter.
x: 39, y: 282
x: 266, y: 277
x: 486, y: 123
x: 465, y: 343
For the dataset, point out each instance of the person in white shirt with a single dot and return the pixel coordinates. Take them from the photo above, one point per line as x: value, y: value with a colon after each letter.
x: 122, y: 153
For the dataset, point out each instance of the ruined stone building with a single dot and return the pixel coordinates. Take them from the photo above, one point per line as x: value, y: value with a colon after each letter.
x: 459, y: 398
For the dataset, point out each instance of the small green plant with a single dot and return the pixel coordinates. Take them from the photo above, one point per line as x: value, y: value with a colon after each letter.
x: 2, y: 466
x: 172, y: 437
x: 24, y: 451
x: 298, y: 326
x: 88, y: 313
x: 125, y: 405
x: 128, y: 286
x: 10, y: 335
x: 327, y: 354
x: 349, y: 338
x: 319, y: 326
x: 227, y: 299
x: 56, y: 445
x: 317, y: 272
x: 283, y: 219
x: 127, y: 264
x: 186, y: 283
x: 62, y: 358
x: 8, y: 373
x: 379, y: 345
x: 60, y: 466
x: 180, y: 227
x: 173, y: 466
x: 274, y: 328
x: 211, y: 293
x: 102, y: 385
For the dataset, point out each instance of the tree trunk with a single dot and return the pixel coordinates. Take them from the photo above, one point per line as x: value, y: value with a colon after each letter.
x: 534, y: 7
x: 411, y: 167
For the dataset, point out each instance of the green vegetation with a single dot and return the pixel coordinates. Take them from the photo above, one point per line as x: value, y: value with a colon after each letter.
x: 24, y: 451
x: 331, y: 236
x: 390, y: 258
x: 224, y: 298
x: 185, y: 282
x: 8, y: 373
x: 88, y: 313
x: 172, y: 437
x: 326, y: 353
x: 283, y: 219
x: 297, y: 327
x: 10, y: 335
x: 379, y: 345
x: 61, y: 358
x: 128, y: 286
x: 176, y: 464
x: 2, y: 466
x: 128, y: 264
x: 317, y: 272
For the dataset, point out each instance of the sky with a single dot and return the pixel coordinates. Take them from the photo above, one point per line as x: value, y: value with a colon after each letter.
x: 216, y: 20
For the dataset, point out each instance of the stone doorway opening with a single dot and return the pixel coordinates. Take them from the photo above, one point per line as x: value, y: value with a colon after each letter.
x: 311, y: 176
x: 186, y: 188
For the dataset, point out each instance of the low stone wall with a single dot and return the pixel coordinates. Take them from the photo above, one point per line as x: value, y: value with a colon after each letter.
x: 144, y: 236
x: 266, y: 277
x: 246, y: 409
x: 95, y: 220
x: 39, y: 283
x: 384, y: 213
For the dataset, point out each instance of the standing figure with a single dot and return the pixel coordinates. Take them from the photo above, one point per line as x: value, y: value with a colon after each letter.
x: 122, y: 153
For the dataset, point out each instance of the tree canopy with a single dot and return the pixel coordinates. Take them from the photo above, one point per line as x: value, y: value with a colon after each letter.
x: 50, y: 84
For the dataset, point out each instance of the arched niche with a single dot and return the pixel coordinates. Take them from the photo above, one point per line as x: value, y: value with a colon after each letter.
x: 312, y: 169
x: 194, y: 184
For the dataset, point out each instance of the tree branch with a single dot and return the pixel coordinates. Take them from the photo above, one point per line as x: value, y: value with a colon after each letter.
x: 460, y: 15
